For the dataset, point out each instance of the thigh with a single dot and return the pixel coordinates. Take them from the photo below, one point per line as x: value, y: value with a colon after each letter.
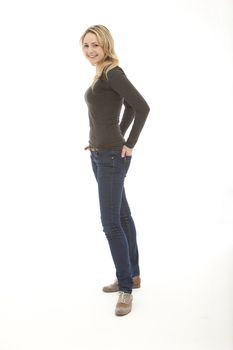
x: 110, y: 178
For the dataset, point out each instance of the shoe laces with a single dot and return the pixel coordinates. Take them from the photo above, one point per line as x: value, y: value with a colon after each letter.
x: 124, y: 298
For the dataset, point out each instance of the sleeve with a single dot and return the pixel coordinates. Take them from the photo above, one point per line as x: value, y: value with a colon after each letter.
x: 136, y: 108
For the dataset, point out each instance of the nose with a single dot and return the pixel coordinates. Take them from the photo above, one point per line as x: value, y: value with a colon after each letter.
x: 90, y: 51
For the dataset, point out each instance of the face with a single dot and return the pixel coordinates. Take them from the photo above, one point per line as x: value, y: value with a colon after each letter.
x: 92, y: 50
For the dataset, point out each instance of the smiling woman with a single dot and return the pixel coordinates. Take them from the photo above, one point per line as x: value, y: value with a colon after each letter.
x: 111, y: 155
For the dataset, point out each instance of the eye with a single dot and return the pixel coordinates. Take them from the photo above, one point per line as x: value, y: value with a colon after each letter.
x: 85, y: 45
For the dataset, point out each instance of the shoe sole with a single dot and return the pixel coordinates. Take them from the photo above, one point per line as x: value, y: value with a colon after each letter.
x: 123, y: 313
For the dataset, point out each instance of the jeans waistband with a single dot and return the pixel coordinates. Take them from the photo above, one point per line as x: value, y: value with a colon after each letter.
x: 96, y: 149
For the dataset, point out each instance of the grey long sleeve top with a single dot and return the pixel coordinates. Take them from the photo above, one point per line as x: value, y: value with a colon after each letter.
x: 104, y: 104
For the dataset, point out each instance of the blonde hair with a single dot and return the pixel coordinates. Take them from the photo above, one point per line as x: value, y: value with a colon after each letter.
x: 105, y: 40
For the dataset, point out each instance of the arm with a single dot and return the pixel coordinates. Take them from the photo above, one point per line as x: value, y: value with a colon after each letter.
x: 136, y: 108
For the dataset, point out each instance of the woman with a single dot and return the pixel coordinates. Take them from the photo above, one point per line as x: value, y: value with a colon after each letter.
x: 111, y: 155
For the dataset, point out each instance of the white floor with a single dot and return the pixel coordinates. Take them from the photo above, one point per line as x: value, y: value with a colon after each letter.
x: 185, y: 308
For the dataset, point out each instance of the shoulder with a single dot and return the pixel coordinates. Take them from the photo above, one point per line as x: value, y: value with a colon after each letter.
x: 115, y: 73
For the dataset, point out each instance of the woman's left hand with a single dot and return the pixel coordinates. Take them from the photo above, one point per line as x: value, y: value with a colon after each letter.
x: 126, y: 151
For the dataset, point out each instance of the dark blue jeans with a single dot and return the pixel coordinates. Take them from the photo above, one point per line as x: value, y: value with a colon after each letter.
x: 110, y: 170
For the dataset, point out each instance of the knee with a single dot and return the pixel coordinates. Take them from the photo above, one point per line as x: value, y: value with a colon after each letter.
x: 125, y: 217
x: 112, y: 230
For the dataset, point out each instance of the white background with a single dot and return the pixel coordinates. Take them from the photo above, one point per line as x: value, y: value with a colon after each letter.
x: 54, y: 258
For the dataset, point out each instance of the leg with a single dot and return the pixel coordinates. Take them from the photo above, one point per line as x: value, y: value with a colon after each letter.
x: 110, y: 173
x: 130, y: 231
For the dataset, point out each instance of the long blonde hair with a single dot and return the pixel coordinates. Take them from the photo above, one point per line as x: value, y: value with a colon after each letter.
x: 105, y: 40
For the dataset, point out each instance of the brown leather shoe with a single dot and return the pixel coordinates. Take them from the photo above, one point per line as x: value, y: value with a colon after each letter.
x: 124, y: 304
x: 115, y: 288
